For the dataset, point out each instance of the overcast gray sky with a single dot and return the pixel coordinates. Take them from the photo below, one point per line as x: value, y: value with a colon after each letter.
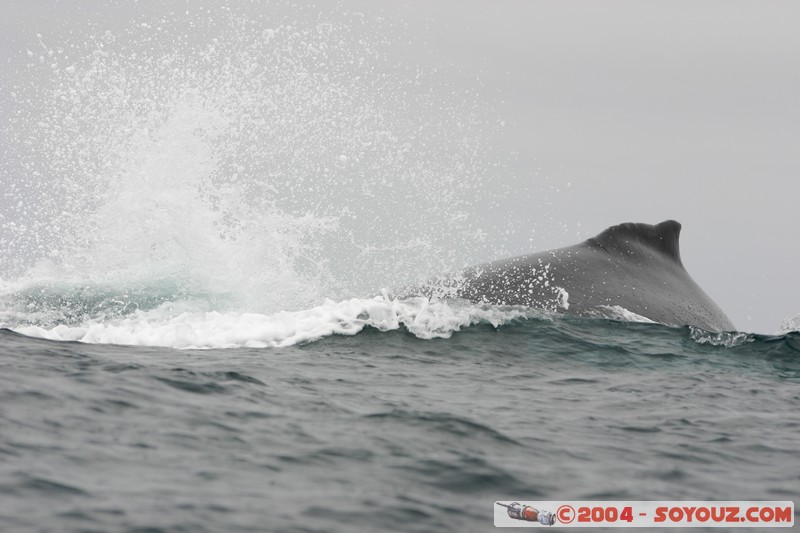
x: 649, y: 110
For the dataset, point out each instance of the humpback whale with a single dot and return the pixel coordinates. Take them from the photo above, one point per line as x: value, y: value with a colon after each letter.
x: 632, y: 265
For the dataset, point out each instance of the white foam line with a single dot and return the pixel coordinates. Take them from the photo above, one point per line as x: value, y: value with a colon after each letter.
x: 425, y: 319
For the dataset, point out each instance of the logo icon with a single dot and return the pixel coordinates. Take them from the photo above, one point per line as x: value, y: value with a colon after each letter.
x: 527, y: 513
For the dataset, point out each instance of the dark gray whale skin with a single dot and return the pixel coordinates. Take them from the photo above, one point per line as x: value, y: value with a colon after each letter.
x: 632, y: 265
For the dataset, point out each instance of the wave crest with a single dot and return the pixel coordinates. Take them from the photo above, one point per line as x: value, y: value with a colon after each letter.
x: 161, y: 326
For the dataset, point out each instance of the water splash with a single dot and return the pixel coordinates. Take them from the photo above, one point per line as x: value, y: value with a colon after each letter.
x: 790, y: 324
x: 262, y: 164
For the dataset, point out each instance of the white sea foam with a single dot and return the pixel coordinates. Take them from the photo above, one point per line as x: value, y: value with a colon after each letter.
x: 727, y: 339
x: 163, y: 327
x: 617, y: 312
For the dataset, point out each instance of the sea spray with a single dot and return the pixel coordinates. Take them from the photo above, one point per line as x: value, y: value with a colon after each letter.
x: 254, y: 163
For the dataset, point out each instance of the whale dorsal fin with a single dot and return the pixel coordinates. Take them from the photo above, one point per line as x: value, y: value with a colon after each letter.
x: 663, y: 237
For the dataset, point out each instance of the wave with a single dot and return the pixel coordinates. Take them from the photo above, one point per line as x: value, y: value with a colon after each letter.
x: 168, y: 314
x: 151, y: 317
x: 184, y: 314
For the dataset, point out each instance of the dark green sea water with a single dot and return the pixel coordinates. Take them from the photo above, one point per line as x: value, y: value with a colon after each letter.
x: 384, y: 431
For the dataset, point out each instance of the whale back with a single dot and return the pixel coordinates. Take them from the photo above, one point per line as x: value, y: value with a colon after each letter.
x: 634, y: 266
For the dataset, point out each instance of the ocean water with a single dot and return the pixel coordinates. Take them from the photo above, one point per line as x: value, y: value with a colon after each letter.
x: 206, y: 221
x: 386, y: 431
